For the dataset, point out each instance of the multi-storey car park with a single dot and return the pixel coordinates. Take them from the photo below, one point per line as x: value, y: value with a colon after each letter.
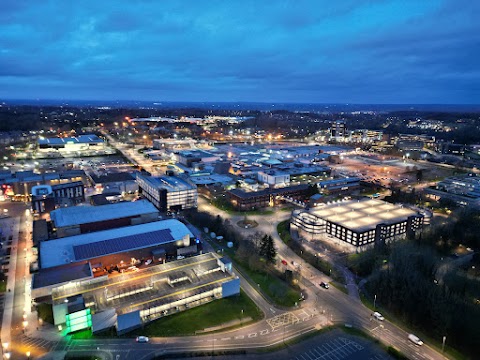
x: 119, y: 277
x: 132, y: 299
x: 357, y: 224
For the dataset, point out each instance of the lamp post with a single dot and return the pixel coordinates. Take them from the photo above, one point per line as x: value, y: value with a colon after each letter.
x: 375, y: 302
x: 443, y: 343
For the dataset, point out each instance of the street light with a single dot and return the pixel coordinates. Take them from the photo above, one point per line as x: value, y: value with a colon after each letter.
x: 375, y: 302
x: 443, y: 343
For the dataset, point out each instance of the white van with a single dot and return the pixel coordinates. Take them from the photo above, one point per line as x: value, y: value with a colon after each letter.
x: 415, y: 339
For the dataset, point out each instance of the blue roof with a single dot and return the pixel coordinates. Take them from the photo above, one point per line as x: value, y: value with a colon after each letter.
x: 77, y: 215
x: 128, y: 321
x: 124, y: 243
x: 82, y: 139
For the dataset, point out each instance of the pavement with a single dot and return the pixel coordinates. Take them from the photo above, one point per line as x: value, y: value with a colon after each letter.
x: 321, y: 308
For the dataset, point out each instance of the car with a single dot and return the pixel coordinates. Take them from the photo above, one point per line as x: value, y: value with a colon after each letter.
x: 284, y: 262
x: 142, y: 339
x: 378, y: 316
x: 324, y: 285
x: 148, y: 262
x: 415, y: 339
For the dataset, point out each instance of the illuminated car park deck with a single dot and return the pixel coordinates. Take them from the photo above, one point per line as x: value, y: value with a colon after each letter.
x: 363, y: 215
x: 150, y: 287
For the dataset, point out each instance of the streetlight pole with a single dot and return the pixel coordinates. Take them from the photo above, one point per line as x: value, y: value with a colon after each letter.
x: 375, y: 302
x: 443, y: 344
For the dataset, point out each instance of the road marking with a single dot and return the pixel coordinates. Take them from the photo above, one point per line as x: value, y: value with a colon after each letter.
x: 240, y: 337
x: 223, y: 339
x: 264, y: 332
x: 252, y: 335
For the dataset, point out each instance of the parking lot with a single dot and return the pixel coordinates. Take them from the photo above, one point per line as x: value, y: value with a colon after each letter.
x: 337, y: 349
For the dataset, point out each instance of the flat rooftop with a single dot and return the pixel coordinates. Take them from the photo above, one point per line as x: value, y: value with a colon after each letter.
x: 91, y: 245
x: 74, y: 272
x: 77, y: 215
x: 128, y: 292
x: 81, y: 139
x: 362, y: 215
x: 170, y: 183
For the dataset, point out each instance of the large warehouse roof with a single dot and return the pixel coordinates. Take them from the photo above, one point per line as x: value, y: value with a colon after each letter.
x: 87, y: 246
x: 76, y: 215
x: 364, y: 214
x: 81, y: 139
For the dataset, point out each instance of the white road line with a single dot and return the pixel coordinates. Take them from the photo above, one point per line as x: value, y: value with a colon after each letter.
x: 252, y: 335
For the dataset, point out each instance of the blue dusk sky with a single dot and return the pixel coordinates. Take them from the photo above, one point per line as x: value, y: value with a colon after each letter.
x: 345, y: 51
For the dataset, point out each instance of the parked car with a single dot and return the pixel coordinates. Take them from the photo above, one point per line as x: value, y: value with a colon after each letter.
x: 378, y: 316
x: 148, y: 262
x: 324, y: 285
x: 142, y: 339
x: 415, y: 339
x: 284, y: 262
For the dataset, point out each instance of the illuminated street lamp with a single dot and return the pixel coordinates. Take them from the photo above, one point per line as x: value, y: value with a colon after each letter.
x: 28, y: 354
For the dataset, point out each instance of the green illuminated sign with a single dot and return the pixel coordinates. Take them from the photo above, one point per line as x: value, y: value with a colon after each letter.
x: 79, y: 320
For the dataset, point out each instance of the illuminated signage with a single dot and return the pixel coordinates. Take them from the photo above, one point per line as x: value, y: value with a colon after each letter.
x: 79, y: 320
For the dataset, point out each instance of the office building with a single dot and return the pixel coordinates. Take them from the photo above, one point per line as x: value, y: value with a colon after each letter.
x: 168, y: 193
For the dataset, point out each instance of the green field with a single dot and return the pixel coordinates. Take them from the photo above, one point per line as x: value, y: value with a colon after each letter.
x: 216, y: 313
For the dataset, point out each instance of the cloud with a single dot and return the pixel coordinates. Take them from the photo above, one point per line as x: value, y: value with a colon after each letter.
x: 363, y: 51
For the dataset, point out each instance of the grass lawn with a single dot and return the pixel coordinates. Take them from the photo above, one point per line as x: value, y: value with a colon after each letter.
x: 212, y: 314
x: 3, y: 286
x: 278, y: 290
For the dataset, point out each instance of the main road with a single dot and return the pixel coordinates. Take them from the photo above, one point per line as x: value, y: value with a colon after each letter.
x: 321, y: 308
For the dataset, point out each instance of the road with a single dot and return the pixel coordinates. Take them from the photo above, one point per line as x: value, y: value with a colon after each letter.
x: 321, y: 308
x: 342, y: 307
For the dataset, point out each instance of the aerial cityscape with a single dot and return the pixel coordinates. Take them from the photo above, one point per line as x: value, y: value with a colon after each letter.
x: 240, y: 180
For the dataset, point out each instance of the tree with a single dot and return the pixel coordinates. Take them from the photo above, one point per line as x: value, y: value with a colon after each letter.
x: 267, y: 249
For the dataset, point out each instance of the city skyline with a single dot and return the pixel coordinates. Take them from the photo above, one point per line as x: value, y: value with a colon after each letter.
x: 310, y: 52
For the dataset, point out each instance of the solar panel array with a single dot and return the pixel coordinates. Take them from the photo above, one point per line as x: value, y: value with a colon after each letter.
x: 105, y: 247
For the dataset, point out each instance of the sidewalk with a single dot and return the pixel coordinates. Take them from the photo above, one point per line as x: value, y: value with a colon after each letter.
x: 11, y: 224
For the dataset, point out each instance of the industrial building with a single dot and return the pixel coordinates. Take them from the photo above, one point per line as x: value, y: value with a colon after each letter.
x: 464, y: 190
x: 71, y: 143
x: 273, y: 178
x: 344, y: 184
x: 84, y: 219
x: 20, y: 184
x: 168, y: 193
x: 190, y: 157
x: 251, y: 200
x: 117, y: 246
x: 357, y: 223
x: 121, y: 182
x: 128, y: 301
x: 46, y: 198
